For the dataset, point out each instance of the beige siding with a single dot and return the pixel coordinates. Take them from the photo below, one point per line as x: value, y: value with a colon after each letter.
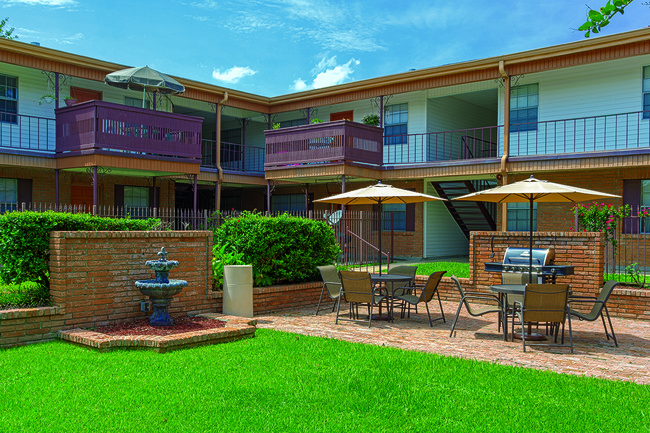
x: 442, y: 236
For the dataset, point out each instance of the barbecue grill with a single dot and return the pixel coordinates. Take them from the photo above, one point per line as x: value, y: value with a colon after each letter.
x: 516, y: 260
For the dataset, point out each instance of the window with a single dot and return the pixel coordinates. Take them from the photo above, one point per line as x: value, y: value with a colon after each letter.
x: 136, y: 196
x: 287, y: 202
x: 8, y: 195
x: 8, y: 99
x: 136, y: 102
x: 396, y: 212
x: 524, y: 101
x: 297, y: 122
x: 519, y: 217
x: 396, y: 124
x: 646, y: 92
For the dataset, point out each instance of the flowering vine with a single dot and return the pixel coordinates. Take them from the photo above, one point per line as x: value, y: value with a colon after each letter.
x: 604, y: 218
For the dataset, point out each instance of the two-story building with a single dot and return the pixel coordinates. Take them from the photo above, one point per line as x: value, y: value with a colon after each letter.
x: 576, y: 113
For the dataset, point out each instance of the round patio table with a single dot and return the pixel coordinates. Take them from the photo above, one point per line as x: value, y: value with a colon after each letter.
x: 388, y: 278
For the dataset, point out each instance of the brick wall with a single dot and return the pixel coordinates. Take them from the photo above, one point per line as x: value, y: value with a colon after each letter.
x: 585, y: 251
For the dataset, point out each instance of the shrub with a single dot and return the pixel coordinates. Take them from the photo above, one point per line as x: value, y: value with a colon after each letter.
x: 25, y: 240
x: 27, y: 294
x: 602, y: 217
x: 282, y: 249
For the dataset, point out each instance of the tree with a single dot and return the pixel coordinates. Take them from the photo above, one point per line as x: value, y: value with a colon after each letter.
x: 9, y: 33
x: 596, y: 20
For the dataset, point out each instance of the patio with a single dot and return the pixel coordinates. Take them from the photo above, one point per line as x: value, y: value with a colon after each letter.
x: 478, y: 339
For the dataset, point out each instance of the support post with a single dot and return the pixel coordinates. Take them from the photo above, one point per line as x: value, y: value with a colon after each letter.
x: 268, y: 197
x: 95, y: 192
x: 195, y: 193
x: 56, y: 188
x: 155, y: 196
x: 56, y: 90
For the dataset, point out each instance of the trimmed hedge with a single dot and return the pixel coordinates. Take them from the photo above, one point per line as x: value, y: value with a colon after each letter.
x: 25, y: 295
x: 282, y: 249
x: 25, y: 240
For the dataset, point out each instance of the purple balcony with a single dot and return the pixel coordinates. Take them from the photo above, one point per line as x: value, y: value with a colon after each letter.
x: 103, y: 127
x: 338, y: 142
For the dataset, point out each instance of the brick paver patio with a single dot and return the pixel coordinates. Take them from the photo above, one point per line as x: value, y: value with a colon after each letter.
x: 477, y: 338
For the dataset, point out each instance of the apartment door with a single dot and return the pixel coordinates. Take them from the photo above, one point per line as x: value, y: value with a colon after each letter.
x: 83, y: 95
x: 81, y: 195
x: 342, y: 115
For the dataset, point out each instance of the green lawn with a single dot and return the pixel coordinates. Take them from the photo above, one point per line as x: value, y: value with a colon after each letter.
x: 461, y: 270
x: 280, y: 382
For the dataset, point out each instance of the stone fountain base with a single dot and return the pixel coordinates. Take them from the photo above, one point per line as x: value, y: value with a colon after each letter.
x: 237, y: 328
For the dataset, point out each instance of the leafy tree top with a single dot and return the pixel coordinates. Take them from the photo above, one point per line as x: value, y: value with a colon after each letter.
x: 7, y: 33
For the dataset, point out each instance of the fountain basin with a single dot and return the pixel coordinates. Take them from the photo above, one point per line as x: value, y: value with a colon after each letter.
x: 162, y: 289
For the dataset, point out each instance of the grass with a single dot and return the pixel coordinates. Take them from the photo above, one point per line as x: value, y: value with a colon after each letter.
x: 461, y: 270
x: 281, y: 382
x: 27, y: 294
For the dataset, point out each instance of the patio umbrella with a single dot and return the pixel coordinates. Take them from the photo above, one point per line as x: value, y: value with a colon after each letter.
x: 145, y: 79
x: 379, y: 194
x: 534, y: 190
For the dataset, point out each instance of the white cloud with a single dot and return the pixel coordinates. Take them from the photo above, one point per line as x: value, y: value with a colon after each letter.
x: 233, y: 74
x: 328, y: 73
x: 46, y: 2
x: 299, y: 85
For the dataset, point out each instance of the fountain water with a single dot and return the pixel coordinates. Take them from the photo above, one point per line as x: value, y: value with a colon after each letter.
x: 162, y: 289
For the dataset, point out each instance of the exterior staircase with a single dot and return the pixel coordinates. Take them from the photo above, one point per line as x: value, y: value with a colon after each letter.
x: 469, y: 215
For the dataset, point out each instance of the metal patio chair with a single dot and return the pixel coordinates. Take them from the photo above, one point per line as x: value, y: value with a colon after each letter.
x: 599, y: 304
x: 408, y: 294
x: 331, y: 283
x: 357, y: 289
x: 475, y: 296
x: 544, y: 303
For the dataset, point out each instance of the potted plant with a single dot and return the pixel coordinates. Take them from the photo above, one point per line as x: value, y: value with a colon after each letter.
x: 70, y: 100
x: 46, y: 99
x: 371, y: 119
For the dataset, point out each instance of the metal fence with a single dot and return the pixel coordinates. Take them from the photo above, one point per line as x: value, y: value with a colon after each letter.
x: 630, y: 260
x: 357, y: 232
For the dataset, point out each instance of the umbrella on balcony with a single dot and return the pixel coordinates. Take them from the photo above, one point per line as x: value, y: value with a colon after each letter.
x: 144, y: 79
x: 379, y: 194
x: 534, y: 190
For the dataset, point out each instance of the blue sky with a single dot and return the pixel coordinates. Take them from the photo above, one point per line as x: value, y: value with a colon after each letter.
x: 276, y: 47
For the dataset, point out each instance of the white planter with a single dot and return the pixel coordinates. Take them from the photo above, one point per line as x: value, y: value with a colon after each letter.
x: 238, y: 290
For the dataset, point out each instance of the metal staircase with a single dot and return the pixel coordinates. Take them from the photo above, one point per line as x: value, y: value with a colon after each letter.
x: 469, y: 215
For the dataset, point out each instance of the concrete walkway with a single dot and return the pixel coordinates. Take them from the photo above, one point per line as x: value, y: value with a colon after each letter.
x: 477, y: 338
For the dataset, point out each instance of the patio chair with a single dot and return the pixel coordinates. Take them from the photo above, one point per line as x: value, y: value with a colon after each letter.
x: 427, y: 291
x: 357, y: 289
x: 599, y: 304
x: 475, y: 296
x: 401, y: 270
x: 544, y: 303
x: 331, y: 282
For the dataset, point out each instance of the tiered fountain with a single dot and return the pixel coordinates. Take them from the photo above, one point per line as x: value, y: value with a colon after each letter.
x: 162, y: 289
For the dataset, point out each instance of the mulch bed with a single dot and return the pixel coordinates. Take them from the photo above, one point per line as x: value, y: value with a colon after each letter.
x: 181, y: 325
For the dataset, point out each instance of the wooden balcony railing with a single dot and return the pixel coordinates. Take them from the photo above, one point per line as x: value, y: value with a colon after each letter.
x: 98, y: 126
x: 341, y: 141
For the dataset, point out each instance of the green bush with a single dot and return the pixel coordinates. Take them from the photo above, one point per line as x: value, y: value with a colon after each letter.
x: 282, y: 249
x: 25, y: 240
x: 27, y: 294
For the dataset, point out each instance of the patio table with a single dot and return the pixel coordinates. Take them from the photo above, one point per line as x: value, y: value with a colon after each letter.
x: 513, y: 289
x: 388, y: 278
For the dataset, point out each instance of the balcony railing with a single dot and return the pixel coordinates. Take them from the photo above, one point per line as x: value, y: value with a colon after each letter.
x: 442, y: 146
x: 37, y: 134
x: 106, y: 127
x: 235, y: 157
x: 341, y: 141
x: 584, y: 134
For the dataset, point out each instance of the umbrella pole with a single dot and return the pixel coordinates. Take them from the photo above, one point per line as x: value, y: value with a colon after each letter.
x: 530, y: 258
x: 381, y: 232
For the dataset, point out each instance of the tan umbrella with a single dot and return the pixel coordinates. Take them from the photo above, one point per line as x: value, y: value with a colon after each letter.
x: 378, y: 194
x: 534, y: 190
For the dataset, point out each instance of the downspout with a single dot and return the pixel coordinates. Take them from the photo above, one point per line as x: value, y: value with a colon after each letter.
x: 506, y: 140
x: 218, y: 134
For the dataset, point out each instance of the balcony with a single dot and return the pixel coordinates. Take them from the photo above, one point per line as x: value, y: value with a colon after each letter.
x: 339, y: 142
x: 234, y: 157
x: 102, y: 127
x: 27, y: 134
